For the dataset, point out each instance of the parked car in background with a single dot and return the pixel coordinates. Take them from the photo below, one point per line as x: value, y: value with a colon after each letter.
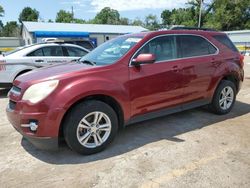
x: 85, y: 43
x: 247, y: 53
x: 128, y: 79
x: 27, y: 58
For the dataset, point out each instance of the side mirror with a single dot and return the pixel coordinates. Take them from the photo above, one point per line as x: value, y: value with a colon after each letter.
x: 143, y: 59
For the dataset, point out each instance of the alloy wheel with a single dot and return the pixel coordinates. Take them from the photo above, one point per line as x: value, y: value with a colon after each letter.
x: 226, y: 98
x: 94, y: 129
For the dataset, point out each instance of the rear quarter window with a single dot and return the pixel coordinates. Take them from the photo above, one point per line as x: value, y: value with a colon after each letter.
x: 85, y: 44
x: 223, y: 39
x: 192, y: 46
x: 75, y: 52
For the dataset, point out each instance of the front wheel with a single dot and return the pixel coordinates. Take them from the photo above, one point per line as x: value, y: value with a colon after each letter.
x: 224, y: 98
x: 90, y: 126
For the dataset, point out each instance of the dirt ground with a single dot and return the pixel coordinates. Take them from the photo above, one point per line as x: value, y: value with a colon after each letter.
x: 189, y: 149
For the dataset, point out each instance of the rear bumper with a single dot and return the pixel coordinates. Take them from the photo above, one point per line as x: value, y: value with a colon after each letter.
x: 241, y: 79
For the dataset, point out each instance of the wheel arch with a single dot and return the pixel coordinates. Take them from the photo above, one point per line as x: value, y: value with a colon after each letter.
x: 113, y: 103
x: 230, y: 77
x: 21, y: 72
x: 233, y: 78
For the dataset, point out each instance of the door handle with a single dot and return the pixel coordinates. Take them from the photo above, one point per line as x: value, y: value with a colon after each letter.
x: 39, y: 60
x: 213, y: 60
x: 175, y: 68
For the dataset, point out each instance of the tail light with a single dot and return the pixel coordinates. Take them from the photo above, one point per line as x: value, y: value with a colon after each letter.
x: 241, y: 61
x: 2, y: 66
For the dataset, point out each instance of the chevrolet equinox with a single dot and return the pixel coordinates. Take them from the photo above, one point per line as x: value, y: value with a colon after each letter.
x: 126, y: 80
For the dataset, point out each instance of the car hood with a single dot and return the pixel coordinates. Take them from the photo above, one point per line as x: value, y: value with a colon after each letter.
x: 53, y: 72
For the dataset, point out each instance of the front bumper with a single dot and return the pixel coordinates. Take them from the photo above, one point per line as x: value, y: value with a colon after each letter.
x: 43, y: 143
x: 46, y: 135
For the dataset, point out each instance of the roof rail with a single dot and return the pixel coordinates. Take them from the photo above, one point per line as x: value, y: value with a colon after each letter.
x: 191, y: 28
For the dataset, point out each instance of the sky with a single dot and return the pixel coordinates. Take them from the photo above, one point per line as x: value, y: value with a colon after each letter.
x: 87, y: 9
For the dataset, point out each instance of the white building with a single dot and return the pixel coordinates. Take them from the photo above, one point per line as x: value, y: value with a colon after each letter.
x: 33, y: 32
x: 241, y: 39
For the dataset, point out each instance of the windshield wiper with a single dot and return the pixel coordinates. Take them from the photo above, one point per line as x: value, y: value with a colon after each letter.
x: 75, y: 60
x: 88, y: 62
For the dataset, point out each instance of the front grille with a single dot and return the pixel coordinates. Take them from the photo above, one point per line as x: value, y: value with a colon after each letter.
x: 12, y: 105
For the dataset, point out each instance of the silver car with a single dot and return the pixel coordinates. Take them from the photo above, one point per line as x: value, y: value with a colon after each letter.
x: 27, y: 58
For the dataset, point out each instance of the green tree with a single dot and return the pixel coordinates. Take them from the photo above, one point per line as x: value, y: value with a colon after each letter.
x: 1, y: 15
x: 64, y: 17
x: 137, y: 22
x: 183, y: 16
x: 151, y: 22
x: 124, y: 21
x: 80, y: 21
x: 166, y: 17
x: 229, y: 15
x: 1, y: 11
x: 107, y: 16
x: 11, y: 29
x: 28, y: 14
x: 206, y: 8
x: 189, y: 15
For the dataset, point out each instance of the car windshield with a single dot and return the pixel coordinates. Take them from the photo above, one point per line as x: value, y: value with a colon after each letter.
x: 109, y: 52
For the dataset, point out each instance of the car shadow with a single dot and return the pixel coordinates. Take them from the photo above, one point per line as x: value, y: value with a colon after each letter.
x: 140, y: 134
x: 3, y: 93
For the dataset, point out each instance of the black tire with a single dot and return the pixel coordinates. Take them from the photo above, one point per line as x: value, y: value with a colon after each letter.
x: 215, y: 104
x: 73, y: 119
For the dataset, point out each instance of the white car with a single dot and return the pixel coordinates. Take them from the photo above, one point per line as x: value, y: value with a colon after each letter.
x: 30, y: 57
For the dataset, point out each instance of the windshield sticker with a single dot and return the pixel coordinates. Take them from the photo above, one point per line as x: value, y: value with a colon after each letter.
x: 125, y: 46
x: 133, y: 39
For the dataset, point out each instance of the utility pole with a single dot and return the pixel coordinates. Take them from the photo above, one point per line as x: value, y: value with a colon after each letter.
x: 72, y: 11
x: 199, y: 24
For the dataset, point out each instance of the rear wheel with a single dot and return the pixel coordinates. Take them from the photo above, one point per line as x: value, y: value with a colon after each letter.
x: 224, y: 98
x: 90, y: 127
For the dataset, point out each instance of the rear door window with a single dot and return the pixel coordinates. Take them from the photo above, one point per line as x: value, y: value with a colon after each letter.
x: 191, y: 46
x: 53, y: 51
x: 164, y: 48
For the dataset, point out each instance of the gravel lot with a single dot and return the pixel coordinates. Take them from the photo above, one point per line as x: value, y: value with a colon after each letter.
x: 189, y: 149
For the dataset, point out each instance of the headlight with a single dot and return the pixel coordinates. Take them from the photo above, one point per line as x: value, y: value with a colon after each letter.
x: 40, y: 91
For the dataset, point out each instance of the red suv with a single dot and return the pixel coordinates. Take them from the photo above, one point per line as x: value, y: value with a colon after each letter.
x: 126, y: 80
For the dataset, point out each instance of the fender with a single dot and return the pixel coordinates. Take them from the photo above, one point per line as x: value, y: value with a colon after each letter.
x: 225, y: 69
x: 24, y: 70
x: 80, y: 89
